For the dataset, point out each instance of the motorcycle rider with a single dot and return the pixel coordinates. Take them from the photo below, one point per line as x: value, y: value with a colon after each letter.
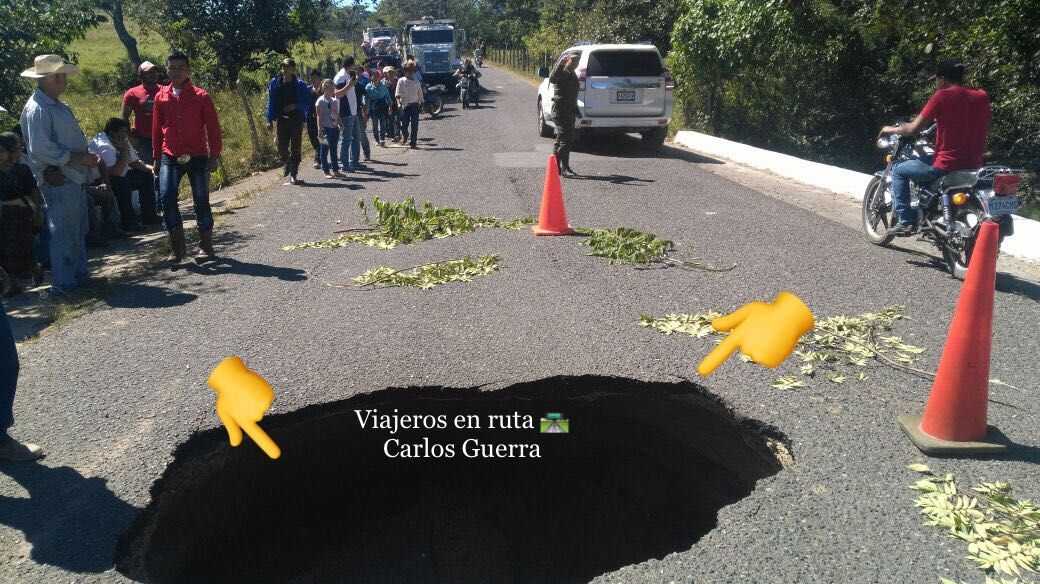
x: 962, y: 118
x: 480, y: 52
x: 467, y: 68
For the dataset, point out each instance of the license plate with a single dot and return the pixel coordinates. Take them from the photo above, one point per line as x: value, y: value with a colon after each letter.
x: 626, y: 96
x: 1003, y: 205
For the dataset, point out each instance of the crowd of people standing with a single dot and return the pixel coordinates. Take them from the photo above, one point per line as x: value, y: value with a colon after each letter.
x: 338, y: 112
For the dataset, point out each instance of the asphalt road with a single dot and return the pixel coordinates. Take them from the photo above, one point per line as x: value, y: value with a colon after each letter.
x: 111, y: 395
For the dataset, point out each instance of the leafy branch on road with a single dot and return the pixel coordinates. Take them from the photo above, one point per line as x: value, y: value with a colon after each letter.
x: 403, y: 223
x: 625, y: 245
x: 1002, y: 532
x: 828, y: 351
x: 427, y: 276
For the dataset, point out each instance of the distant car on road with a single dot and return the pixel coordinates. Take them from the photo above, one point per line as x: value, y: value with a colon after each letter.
x: 623, y: 89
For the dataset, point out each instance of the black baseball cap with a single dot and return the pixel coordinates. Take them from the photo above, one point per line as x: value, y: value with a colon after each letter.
x: 950, y: 70
x: 288, y: 62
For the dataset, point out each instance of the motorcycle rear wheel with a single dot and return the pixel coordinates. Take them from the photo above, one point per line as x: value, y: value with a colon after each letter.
x: 877, y: 214
x: 436, y: 107
x: 966, y: 221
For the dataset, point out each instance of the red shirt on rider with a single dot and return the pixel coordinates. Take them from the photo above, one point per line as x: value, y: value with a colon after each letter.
x: 962, y: 117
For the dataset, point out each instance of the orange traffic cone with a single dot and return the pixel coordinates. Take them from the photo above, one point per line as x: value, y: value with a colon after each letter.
x: 553, y: 219
x: 954, y: 420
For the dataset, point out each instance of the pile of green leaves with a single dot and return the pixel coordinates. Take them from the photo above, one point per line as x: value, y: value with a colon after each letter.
x: 834, y: 344
x: 402, y: 222
x: 430, y: 275
x: 625, y: 245
x: 1003, y: 533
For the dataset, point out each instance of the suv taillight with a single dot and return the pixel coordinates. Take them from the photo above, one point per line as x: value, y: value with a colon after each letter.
x: 581, y: 79
x: 669, y: 81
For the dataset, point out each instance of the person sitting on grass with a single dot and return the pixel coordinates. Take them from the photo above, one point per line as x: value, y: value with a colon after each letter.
x: 100, y: 194
x: 126, y: 173
x: 20, y: 216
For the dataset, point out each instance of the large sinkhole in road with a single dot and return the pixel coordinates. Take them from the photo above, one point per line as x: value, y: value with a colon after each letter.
x: 642, y: 473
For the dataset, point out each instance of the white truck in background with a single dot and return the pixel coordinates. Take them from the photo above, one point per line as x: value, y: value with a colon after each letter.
x: 435, y: 45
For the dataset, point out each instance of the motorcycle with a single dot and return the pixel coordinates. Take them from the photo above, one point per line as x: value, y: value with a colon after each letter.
x: 469, y: 90
x: 433, y: 102
x: 478, y: 60
x: 950, y: 210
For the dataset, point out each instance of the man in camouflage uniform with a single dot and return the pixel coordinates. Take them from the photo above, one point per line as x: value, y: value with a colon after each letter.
x: 565, y: 110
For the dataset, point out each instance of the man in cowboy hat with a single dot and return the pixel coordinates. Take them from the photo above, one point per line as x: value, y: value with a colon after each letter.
x: 60, y: 161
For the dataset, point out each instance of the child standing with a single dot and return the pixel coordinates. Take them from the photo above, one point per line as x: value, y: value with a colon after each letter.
x: 329, y: 126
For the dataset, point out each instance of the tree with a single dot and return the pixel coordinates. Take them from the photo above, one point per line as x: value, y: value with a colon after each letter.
x: 114, y: 8
x: 35, y: 27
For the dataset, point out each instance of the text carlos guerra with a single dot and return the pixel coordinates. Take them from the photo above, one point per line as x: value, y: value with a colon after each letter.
x: 471, y: 447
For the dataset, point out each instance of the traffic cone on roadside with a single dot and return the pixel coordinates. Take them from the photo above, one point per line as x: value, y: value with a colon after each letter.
x: 553, y: 219
x: 954, y: 420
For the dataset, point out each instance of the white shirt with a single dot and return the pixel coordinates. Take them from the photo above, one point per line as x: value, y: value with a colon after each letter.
x: 409, y: 90
x: 109, y: 154
x: 341, y: 79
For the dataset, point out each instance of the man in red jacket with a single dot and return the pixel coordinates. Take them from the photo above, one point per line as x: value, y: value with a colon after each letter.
x: 962, y: 117
x: 185, y: 140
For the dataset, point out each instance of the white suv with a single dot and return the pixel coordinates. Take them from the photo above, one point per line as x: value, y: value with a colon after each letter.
x: 622, y: 89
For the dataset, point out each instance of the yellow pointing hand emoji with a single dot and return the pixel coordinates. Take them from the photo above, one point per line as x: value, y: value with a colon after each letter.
x: 242, y: 399
x: 765, y: 332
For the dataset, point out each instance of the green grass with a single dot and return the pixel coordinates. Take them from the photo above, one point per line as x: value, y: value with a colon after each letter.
x: 93, y: 110
x: 101, y: 49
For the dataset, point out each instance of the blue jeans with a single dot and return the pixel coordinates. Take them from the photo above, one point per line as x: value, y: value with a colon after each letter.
x: 110, y: 216
x: 329, y: 146
x: 146, y: 157
x: 364, y: 140
x: 379, y: 125
x: 410, y: 116
x: 350, y: 142
x: 144, y: 184
x: 68, y: 223
x: 8, y: 374
x: 921, y: 172
x: 170, y: 173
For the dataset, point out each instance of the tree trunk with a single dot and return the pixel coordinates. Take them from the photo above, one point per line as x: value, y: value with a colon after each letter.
x: 241, y: 90
x: 124, y: 35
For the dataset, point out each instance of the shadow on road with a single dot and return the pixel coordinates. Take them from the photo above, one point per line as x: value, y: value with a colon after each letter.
x: 1011, y: 284
x: 147, y: 296
x: 70, y: 520
x: 617, y: 179
x: 626, y: 146
x: 1007, y: 283
x: 224, y: 265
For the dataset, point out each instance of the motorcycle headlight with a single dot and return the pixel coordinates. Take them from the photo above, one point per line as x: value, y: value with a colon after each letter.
x: 885, y: 141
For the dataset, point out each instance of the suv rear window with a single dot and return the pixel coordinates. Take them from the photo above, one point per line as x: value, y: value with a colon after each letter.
x: 625, y: 64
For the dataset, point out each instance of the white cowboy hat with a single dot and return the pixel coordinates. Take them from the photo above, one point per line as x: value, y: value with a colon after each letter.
x: 2, y: 110
x: 49, y: 65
